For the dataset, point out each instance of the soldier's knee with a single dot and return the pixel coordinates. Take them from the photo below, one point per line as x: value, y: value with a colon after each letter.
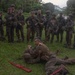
x: 26, y: 56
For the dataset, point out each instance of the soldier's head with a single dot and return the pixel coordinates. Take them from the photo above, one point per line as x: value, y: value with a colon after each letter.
x: 9, y: 10
x: 48, y: 12
x: 53, y: 15
x: 71, y: 16
x: 12, y: 6
x: 0, y: 13
x: 37, y: 41
x: 32, y: 13
x: 20, y: 11
x: 39, y: 12
x: 61, y: 14
x: 53, y: 20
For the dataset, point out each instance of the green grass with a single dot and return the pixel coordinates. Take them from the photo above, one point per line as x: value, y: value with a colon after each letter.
x: 11, y: 52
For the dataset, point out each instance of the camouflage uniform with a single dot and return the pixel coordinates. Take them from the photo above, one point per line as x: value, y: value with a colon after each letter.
x: 41, y: 20
x: 20, y: 26
x: 69, y: 31
x: 61, y: 23
x: 38, y: 53
x: 55, y: 63
x: 1, y: 28
x: 47, y: 17
x: 10, y: 19
x: 53, y: 28
x: 31, y: 26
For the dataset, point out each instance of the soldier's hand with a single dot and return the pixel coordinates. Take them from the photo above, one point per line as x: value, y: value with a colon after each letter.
x: 29, y: 46
x: 41, y: 23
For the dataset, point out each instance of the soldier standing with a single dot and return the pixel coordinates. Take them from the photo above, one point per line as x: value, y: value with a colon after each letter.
x: 31, y: 26
x: 53, y: 27
x: 47, y: 17
x: 41, y: 20
x: 10, y: 23
x: 69, y: 31
x: 61, y: 23
x: 1, y: 27
x: 20, y: 25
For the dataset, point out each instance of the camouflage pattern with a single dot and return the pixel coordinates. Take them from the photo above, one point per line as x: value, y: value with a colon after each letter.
x: 55, y: 63
x: 40, y: 53
x: 31, y: 26
x: 20, y: 26
x: 69, y: 31
x: 10, y: 25
x: 61, y: 23
x: 41, y: 20
x: 1, y: 28
x: 47, y: 19
x: 53, y: 28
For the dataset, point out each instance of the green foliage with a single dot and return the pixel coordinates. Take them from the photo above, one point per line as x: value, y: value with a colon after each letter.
x: 71, y: 6
x: 27, y: 5
x: 48, y: 6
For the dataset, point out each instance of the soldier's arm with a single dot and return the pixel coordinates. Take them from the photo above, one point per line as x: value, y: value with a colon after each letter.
x: 33, y: 61
x: 27, y: 20
x: 37, y: 51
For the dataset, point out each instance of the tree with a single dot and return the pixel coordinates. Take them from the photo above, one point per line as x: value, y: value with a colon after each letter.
x: 71, y: 6
x: 49, y: 6
x: 27, y: 5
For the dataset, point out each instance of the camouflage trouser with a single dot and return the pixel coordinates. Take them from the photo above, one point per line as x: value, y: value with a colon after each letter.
x: 60, y: 35
x: 39, y: 32
x: 29, y: 57
x: 10, y: 31
x: 6, y: 30
x: 52, y: 37
x: 19, y: 29
x: 30, y: 34
x: 55, y: 63
x: 47, y: 34
x: 1, y: 33
x: 69, y: 38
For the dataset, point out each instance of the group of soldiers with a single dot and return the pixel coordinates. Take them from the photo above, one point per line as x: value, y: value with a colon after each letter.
x: 52, y: 25
x: 40, y: 53
x: 36, y: 22
x: 14, y: 21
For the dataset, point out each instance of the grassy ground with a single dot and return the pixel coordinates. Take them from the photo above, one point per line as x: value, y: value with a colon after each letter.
x: 10, y: 52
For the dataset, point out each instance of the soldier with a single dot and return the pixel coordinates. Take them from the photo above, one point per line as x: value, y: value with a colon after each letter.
x: 61, y: 23
x: 20, y: 25
x: 54, y: 64
x: 39, y: 52
x: 31, y: 26
x: 69, y: 31
x: 47, y: 17
x: 1, y: 27
x: 41, y: 20
x: 53, y: 27
x: 10, y: 20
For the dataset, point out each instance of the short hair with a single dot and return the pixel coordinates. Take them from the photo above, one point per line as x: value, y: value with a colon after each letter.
x: 37, y: 39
